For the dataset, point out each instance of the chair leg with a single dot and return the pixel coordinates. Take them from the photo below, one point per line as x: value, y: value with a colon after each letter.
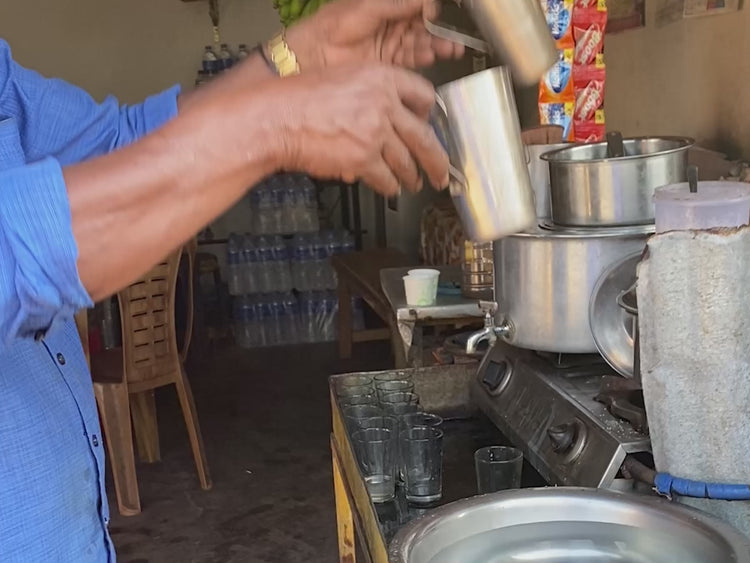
x: 185, y: 395
x: 114, y: 407
x: 143, y: 408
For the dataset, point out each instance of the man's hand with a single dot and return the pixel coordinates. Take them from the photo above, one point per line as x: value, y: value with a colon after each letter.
x: 347, y: 32
x: 365, y: 122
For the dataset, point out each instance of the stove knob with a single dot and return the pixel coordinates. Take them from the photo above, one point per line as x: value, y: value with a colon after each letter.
x: 562, y: 436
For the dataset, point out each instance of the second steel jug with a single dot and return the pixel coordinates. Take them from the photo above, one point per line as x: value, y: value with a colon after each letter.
x: 477, y: 120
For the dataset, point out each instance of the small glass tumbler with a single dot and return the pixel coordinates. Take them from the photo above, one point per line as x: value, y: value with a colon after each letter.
x: 391, y: 376
x: 383, y: 388
x: 354, y: 414
x: 421, y: 449
x: 376, y: 450
x: 498, y: 468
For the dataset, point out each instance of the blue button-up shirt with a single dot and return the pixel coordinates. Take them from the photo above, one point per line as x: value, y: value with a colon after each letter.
x: 53, y: 506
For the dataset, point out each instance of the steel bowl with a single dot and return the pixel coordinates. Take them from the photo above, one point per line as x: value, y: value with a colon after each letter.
x: 589, y: 189
x: 568, y: 525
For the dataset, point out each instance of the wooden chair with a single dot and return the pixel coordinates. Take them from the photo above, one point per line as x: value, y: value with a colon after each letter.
x: 125, y: 379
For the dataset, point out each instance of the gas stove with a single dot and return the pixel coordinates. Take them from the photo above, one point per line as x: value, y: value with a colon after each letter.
x: 574, y: 418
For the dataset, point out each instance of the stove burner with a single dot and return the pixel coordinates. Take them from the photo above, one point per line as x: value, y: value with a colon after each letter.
x: 624, y: 399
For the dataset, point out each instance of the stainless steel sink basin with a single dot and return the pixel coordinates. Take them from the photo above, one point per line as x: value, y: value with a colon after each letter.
x: 568, y: 525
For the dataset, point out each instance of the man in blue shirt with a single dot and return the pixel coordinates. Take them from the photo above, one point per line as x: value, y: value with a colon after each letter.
x: 91, y: 195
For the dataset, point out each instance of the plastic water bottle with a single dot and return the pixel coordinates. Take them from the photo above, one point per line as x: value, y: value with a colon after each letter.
x: 263, y: 200
x: 210, y: 61
x: 347, y: 244
x: 332, y: 316
x: 250, y: 265
x: 333, y: 245
x: 281, y: 271
x: 307, y: 314
x: 241, y: 322
x: 265, y: 274
x: 288, y: 319
x: 226, y: 59
x: 242, y: 52
x: 234, y: 258
x: 279, y: 214
x: 310, y: 205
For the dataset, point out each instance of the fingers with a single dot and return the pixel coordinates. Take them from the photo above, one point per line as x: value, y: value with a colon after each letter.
x: 381, y: 179
x: 390, y: 49
x: 424, y: 146
x: 401, y: 163
x: 414, y: 91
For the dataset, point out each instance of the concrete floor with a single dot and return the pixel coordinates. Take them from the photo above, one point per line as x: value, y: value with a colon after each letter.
x: 265, y: 419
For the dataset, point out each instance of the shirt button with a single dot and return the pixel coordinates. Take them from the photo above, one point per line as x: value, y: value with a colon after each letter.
x: 60, y: 359
x: 95, y: 441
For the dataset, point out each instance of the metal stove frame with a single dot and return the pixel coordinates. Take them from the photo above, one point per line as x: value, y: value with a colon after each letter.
x: 550, y: 413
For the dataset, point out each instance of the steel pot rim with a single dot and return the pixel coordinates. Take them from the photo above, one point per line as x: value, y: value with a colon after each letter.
x: 411, y: 533
x: 559, y: 232
x: 685, y: 144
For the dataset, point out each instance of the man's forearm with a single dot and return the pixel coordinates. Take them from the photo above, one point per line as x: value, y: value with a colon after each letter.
x: 130, y: 208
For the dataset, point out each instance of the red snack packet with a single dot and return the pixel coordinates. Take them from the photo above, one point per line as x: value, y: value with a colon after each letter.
x: 589, y: 25
x: 589, y: 90
x: 590, y: 130
x: 583, y: 74
x: 588, y: 100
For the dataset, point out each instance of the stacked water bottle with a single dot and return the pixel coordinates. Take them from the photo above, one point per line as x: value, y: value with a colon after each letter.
x: 284, y: 204
x: 214, y: 63
x: 284, y: 293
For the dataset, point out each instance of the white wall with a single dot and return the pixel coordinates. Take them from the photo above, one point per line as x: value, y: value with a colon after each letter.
x: 130, y: 48
x: 691, y: 77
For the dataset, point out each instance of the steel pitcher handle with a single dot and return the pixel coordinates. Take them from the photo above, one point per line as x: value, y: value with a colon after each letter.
x: 457, y: 177
x: 452, y: 34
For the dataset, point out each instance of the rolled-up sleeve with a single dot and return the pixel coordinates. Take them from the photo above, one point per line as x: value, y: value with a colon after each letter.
x: 39, y: 283
x: 48, y: 124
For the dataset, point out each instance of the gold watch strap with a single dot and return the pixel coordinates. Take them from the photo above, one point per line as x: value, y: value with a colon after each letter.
x: 282, y: 57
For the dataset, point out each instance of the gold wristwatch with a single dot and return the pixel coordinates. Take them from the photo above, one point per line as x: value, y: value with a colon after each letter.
x: 282, y: 57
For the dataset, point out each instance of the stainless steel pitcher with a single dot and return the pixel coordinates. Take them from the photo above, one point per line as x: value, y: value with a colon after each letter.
x: 515, y: 31
x: 477, y: 121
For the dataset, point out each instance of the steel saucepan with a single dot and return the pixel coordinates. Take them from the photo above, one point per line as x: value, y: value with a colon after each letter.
x: 590, y: 189
x: 568, y: 525
x: 544, y: 280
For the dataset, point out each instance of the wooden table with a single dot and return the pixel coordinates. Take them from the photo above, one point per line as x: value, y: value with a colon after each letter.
x: 359, y: 276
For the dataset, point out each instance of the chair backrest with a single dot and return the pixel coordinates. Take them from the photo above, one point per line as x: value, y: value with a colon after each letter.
x: 147, y: 309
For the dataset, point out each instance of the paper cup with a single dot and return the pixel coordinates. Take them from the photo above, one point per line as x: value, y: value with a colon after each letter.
x: 424, y: 272
x: 421, y: 289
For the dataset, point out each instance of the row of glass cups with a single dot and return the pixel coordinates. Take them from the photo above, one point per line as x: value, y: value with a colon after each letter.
x: 395, y: 441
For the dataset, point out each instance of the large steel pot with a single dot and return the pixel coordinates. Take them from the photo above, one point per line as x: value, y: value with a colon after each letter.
x: 568, y: 525
x: 590, y: 189
x: 544, y: 280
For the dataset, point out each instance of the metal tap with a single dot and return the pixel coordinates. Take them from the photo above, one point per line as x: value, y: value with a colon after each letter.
x: 490, y: 332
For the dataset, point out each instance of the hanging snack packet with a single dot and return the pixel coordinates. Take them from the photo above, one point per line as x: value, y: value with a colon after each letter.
x: 557, y: 85
x: 558, y: 113
x: 588, y: 83
x: 559, y: 15
x: 589, y: 25
x: 590, y: 130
